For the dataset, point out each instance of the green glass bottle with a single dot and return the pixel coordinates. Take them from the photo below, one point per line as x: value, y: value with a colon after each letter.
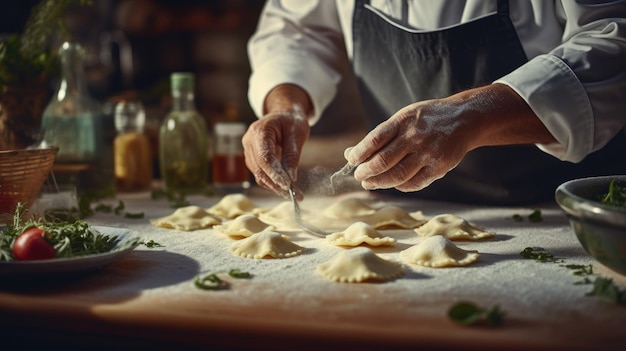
x: 183, y: 140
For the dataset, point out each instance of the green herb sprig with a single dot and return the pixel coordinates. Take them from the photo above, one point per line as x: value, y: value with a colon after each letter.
x: 212, y: 281
x: 616, y: 195
x: 535, y: 216
x: 468, y: 313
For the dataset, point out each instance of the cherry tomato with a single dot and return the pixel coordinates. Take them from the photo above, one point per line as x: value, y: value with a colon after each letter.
x: 32, y: 245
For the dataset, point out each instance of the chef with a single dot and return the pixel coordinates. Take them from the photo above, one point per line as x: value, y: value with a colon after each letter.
x: 488, y: 102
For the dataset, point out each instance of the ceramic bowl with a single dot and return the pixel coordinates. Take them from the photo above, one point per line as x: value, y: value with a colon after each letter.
x: 600, y: 227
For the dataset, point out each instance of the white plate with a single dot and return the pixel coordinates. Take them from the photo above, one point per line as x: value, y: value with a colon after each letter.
x: 127, y: 241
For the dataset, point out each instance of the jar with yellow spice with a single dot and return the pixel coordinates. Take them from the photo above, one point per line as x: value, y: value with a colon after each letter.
x: 133, y: 158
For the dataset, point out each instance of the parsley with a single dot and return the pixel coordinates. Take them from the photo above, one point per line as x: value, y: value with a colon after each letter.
x: 616, y: 195
x: 534, y: 216
x: 605, y: 289
x: 152, y: 244
x: 69, y: 239
x: 214, y: 282
x: 538, y: 254
x: 468, y: 313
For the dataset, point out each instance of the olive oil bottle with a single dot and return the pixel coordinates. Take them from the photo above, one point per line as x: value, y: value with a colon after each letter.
x: 183, y: 140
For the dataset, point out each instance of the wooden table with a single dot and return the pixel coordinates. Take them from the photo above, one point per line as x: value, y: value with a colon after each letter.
x: 148, y: 299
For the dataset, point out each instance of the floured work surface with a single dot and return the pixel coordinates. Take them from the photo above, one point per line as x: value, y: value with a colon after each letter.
x: 286, y: 304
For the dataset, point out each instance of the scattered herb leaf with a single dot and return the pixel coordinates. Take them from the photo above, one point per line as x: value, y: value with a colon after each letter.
x: 468, y: 313
x: 518, y: 218
x: 605, y: 289
x: 535, y: 216
x: 152, y: 244
x: 138, y: 215
x: 538, y: 254
x: 210, y: 282
x: 214, y: 282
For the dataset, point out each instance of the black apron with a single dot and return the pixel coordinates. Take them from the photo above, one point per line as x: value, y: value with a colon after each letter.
x: 395, y: 67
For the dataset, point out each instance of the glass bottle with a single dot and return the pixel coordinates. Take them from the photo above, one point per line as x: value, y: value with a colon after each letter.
x: 133, y: 157
x: 73, y: 121
x: 183, y: 140
x: 230, y: 173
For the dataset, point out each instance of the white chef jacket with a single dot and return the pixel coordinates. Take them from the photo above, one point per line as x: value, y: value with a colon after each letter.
x: 574, y: 81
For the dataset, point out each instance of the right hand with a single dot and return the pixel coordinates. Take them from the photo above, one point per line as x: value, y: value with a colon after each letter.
x: 272, y: 147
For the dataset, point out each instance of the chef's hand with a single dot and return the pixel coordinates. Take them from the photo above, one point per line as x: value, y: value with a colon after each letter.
x: 273, y: 144
x: 425, y: 140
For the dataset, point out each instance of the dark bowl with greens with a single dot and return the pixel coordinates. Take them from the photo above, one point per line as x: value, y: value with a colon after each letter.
x: 596, y: 209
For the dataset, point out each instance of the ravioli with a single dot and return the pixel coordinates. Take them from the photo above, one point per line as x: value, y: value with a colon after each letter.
x: 232, y: 205
x: 359, y: 233
x: 266, y: 244
x: 187, y: 219
x: 453, y: 227
x: 348, y: 209
x: 243, y: 226
x: 282, y: 216
x: 358, y: 265
x: 390, y: 217
x: 437, y: 251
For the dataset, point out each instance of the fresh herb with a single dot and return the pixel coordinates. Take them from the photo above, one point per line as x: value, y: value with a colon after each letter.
x: 538, y: 254
x: 103, y: 208
x: 581, y: 270
x: 605, y: 289
x: 119, y: 208
x: 151, y: 244
x: 616, y: 195
x: 69, y: 239
x: 211, y: 282
x: 214, y: 282
x: 534, y: 216
x: 468, y: 313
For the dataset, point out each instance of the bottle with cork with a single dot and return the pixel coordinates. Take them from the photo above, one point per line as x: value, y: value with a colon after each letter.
x: 183, y: 140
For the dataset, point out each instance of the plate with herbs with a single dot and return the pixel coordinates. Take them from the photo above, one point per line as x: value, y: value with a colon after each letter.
x: 77, y: 247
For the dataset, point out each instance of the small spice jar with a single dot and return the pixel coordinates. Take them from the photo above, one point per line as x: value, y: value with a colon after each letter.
x: 133, y: 157
x: 229, y: 171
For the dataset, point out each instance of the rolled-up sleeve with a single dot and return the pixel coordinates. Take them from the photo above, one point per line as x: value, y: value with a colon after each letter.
x: 296, y: 42
x: 578, y: 90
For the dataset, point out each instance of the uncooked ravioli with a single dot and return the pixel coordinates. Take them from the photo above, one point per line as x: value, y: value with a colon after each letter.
x: 438, y: 251
x: 453, y: 227
x: 389, y: 217
x: 348, y: 208
x: 282, y: 216
x: 359, y: 264
x: 243, y: 226
x: 186, y: 219
x: 232, y: 205
x: 266, y: 245
x: 359, y: 233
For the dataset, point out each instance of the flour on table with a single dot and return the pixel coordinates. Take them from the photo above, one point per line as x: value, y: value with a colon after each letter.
x: 359, y: 233
x: 232, y: 205
x: 243, y: 226
x: 453, y: 227
x: 358, y: 265
x: 266, y: 245
x: 438, y: 251
x: 186, y: 219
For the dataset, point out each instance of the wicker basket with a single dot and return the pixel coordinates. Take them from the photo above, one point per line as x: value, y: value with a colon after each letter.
x: 22, y: 174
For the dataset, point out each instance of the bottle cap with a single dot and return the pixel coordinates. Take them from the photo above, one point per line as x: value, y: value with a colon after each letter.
x: 182, y: 81
x: 230, y: 128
